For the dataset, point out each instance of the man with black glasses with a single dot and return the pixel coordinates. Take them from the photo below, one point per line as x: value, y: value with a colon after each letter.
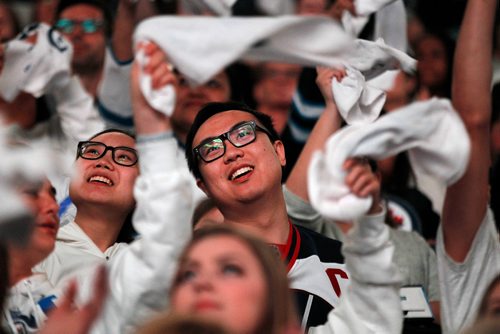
x: 237, y: 158
x: 102, y: 190
x: 106, y: 187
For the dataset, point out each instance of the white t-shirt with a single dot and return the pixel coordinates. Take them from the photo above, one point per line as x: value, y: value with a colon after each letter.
x: 463, y: 284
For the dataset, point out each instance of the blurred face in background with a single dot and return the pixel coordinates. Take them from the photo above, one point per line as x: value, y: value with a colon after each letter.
x: 221, y: 279
x: 88, y: 46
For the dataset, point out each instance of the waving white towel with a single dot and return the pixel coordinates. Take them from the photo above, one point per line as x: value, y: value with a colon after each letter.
x: 431, y: 131
x: 200, y: 47
x: 359, y: 100
x: 356, y: 101
x: 35, y: 67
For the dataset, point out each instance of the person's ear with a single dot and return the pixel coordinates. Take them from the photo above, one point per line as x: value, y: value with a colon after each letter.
x: 280, y: 151
x: 201, y: 185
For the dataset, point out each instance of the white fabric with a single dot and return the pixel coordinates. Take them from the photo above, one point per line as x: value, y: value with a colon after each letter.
x: 431, y: 131
x: 363, y: 8
x: 356, y: 100
x: 361, y: 100
x: 371, y: 304
x: 390, y: 24
x: 35, y: 67
x: 374, y: 58
x: 22, y: 312
x: 162, y: 99
x: 140, y: 274
x: 219, y: 41
x: 463, y: 284
x: 114, y: 93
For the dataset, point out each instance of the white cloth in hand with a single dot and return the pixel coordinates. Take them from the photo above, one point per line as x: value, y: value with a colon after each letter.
x: 162, y: 99
x: 201, y: 47
x: 431, y: 131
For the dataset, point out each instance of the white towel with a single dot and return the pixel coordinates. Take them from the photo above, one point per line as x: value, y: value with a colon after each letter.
x: 162, y: 99
x: 391, y: 25
x: 201, y: 47
x: 364, y: 8
x: 356, y: 100
x: 360, y: 100
x: 431, y: 131
x: 38, y: 67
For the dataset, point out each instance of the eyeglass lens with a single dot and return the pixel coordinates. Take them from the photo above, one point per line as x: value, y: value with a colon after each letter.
x: 121, y: 155
x: 68, y: 26
x: 239, y: 137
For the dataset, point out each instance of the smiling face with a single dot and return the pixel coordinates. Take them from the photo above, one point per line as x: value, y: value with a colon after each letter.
x: 242, y: 174
x: 103, y: 181
x: 43, y: 205
x: 221, y: 279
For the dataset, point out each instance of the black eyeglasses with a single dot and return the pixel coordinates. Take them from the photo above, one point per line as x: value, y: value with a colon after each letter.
x: 240, y: 135
x: 88, y: 26
x: 93, y: 150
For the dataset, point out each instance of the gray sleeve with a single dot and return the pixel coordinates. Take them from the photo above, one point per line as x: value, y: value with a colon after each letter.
x: 303, y: 214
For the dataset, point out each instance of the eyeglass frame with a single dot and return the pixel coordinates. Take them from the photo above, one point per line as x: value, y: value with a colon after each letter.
x: 98, y: 24
x: 106, y: 149
x: 225, y: 136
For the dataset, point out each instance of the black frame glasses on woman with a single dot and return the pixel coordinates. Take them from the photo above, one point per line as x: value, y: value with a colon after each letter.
x: 93, y: 150
x: 240, y: 135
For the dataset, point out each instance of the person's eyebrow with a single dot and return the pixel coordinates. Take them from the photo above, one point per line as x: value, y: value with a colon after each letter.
x: 232, y: 128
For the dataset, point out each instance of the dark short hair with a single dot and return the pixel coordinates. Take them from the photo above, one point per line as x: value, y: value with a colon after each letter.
x: 113, y: 130
x: 212, y: 109
x: 102, y: 5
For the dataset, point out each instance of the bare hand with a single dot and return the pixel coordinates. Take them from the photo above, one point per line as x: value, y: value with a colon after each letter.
x: 147, y: 120
x: 362, y: 181
x: 67, y: 319
x: 324, y: 81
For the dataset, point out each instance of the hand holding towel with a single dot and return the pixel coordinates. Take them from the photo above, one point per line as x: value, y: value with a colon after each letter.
x: 431, y: 131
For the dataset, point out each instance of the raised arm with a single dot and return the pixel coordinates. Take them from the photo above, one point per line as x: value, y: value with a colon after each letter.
x: 327, y: 124
x: 466, y: 201
x: 141, y: 275
x: 123, y: 29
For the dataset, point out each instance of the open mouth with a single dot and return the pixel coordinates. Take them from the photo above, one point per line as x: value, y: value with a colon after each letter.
x: 240, y: 172
x: 101, y: 179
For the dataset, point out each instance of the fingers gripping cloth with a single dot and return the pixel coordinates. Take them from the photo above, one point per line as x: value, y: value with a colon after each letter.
x: 38, y: 61
x: 161, y: 99
x: 361, y: 100
x: 431, y: 131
